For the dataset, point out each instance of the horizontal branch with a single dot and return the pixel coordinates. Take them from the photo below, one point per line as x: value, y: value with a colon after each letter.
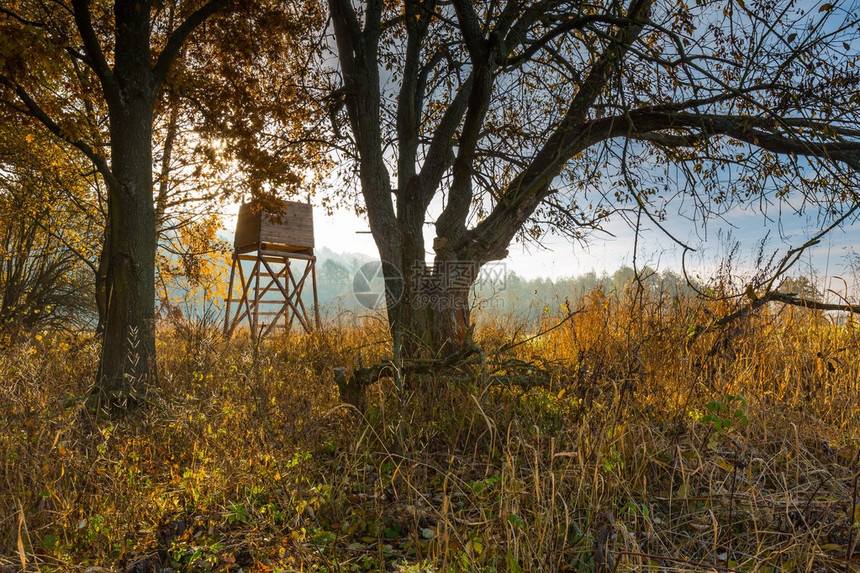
x: 757, y: 302
x: 795, y: 300
x: 20, y: 19
x: 758, y: 131
x: 363, y: 377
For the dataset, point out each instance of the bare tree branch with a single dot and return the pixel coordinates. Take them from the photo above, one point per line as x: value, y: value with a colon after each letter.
x: 95, y: 55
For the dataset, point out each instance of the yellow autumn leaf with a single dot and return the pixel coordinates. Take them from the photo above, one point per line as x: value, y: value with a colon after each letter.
x: 725, y: 464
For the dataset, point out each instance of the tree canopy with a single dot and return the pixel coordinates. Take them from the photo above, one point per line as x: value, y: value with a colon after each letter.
x: 493, y: 119
x: 111, y: 79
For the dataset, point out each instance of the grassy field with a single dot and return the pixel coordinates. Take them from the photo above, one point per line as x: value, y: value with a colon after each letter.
x: 628, y: 438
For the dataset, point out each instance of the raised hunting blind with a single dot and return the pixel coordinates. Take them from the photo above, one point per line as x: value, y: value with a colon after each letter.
x: 265, y: 286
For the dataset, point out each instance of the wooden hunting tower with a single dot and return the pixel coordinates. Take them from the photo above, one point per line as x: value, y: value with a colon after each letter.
x: 267, y: 290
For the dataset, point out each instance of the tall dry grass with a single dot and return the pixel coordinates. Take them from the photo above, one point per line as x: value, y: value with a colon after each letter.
x: 626, y: 438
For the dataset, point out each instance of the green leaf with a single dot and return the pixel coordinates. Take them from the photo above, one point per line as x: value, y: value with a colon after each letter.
x: 392, y: 533
x: 516, y: 520
x: 49, y: 542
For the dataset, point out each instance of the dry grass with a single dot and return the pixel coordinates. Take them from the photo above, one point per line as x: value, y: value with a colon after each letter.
x: 598, y: 446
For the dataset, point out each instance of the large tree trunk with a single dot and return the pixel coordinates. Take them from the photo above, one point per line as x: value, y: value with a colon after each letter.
x: 127, y: 364
x: 443, y: 316
x: 128, y: 354
x: 433, y: 317
x: 130, y: 80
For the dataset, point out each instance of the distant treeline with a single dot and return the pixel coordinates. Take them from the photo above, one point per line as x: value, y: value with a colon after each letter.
x: 499, y: 289
x: 530, y: 298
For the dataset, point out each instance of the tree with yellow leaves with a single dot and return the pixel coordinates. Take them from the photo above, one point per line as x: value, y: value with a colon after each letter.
x: 100, y: 77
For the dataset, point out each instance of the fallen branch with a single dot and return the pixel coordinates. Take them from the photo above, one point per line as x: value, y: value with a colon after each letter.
x: 756, y: 302
x: 795, y: 300
x: 352, y: 385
